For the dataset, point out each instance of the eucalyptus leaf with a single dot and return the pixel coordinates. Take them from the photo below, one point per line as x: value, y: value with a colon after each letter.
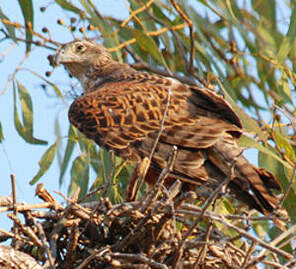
x: 45, y: 162
x: 28, y: 13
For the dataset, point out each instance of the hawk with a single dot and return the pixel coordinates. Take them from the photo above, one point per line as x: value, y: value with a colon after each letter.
x: 123, y: 110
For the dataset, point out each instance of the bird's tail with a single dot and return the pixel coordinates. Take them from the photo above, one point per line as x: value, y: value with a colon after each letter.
x: 250, y: 184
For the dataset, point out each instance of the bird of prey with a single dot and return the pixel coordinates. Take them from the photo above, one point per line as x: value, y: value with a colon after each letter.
x: 125, y: 110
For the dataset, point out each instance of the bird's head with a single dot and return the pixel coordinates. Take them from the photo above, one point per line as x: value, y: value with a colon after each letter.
x: 79, y: 55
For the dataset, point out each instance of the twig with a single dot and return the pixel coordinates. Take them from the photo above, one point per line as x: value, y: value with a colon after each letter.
x: 152, y: 33
x: 207, y: 203
x: 44, y: 245
x: 138, y: 258
x: 125, y: 241
x: 190, y: 25
x: 14, y: 204
x: 273, y: 243
x: 135, y: 12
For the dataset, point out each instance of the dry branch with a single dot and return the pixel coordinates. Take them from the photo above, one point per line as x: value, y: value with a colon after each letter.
x: 145, y: 233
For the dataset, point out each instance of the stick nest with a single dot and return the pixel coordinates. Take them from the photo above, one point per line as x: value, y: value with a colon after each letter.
x: 162, y: 230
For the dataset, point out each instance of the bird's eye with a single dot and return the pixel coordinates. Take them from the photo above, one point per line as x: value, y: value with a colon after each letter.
x: 79, y: 48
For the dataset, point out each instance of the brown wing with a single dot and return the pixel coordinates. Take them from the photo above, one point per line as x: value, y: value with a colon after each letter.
x: 126, y: 116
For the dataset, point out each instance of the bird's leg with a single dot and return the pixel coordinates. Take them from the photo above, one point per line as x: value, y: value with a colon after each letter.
x: 136, y: 179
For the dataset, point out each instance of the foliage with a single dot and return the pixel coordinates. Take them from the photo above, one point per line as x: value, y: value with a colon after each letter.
x: 244, y: 49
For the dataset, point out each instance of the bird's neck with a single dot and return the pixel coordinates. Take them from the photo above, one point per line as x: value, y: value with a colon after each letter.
x: 97, y: 75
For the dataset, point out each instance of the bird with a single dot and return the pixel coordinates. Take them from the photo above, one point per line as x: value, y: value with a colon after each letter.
x: 128, y: 111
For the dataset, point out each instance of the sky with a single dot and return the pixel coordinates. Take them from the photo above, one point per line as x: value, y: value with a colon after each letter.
x: 17, y: 156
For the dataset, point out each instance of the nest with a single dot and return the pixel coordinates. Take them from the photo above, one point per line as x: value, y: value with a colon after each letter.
x: 162, y: 230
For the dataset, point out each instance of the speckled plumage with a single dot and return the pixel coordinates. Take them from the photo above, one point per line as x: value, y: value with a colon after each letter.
x: 122, y: 110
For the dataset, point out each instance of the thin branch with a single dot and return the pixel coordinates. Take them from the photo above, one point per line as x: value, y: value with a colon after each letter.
x: 152, y: 33
x: 190, y: 25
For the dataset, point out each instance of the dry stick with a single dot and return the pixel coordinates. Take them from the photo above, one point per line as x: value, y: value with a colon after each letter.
x: 44, y: 246
x: 208, y: 202
x: 274, y: 265
x: 162, y: 176
x: 269, y: 246
x: 14, y: 203
x: 26, y: 230
x: 21, y: 208
x: 221, y: 219
x: 73, y: 241
x: 274, y: 242
x: 251, y: 237
x: 290, y: 263
x: 203, y: 251
x: 155, y: 142
x: 92, y: 256
x: 249, y: 253
x: 151, y: 197
x: 15, y: 236
x: 138, y: 258
x: 190, y: 25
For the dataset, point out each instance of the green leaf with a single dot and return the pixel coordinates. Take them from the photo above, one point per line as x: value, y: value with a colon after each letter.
x: 68, y: 6
x: 25, y: 130
x: 45, y: 162
x: 68, y: 153
x: 267, y: 11
x: 284, y: 175
x: 10, y: 29
x: 28, y: 13
x: 106, y: 159
x: 79, y: 175
x: 1, y: 133
x: 285, y: 146
x: 284, y: 88
x: 289, y: 40
x: 148, y: 45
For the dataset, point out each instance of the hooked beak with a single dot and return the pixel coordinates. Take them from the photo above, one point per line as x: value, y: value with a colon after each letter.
x: 59, y: 56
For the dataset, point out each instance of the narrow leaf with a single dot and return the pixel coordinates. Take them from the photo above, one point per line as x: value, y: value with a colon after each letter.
x: 25, y: 130
x: 289, y: 40
x: 28, y: 13
x: 147, y: 44
x: 10, y: 29
x: 79, y: 175
x: 68, y: 153
x: 1, y: 133
x: 285, y: 146
x: 45, y: 162
x: 68, y: 6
